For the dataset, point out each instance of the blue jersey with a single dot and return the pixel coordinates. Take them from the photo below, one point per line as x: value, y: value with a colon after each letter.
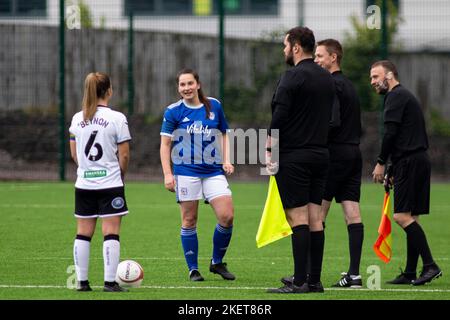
x: 196, y: 149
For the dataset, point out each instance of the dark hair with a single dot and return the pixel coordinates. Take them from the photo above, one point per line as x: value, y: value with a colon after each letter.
x: 201, y: 95
x: 388, y: 67
x: 333, y: 46
x: 304, y: 37
x: 96, y: 86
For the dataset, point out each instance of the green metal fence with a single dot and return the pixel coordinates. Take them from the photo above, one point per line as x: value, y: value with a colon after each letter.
x: 236, y: 45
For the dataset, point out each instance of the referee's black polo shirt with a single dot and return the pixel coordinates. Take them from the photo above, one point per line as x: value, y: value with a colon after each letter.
x: 345, y: 138
x: 402, y: 109
x: 301, y: 110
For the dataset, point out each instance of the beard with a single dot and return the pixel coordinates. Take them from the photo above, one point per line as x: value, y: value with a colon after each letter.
x: 290, y: 59
x: 382, y: 87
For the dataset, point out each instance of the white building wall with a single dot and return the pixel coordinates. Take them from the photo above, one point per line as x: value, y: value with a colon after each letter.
x: 330, y: 19
x: 426, y: 24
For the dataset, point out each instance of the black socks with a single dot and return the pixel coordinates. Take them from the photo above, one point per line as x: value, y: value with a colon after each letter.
x: 417, y: 239
x: 300, y: 245
x: 355, y: 241
x: 317, y: 243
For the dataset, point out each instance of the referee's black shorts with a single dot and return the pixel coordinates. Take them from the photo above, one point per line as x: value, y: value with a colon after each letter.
x: 301, y: 183
x: 412, y: 176
x: 344, y: 178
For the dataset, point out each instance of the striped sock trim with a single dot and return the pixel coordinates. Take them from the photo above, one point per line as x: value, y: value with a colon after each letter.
x: 188, y: 232
x: 81, y: 237
x: 111, y: 237
x: 223, y: 229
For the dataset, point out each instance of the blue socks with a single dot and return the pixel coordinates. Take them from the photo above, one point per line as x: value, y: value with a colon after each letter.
x: 189, y: 241
x: 221, y: 240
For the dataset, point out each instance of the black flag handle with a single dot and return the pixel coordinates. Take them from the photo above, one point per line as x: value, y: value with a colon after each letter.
x: 388, y: 178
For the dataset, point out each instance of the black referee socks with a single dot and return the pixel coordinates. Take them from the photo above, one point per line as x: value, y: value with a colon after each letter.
x: 412, y: 256
x: 355, y: 242
x: 300, y: 245
x: 418, y: 240
x: 317, y: 245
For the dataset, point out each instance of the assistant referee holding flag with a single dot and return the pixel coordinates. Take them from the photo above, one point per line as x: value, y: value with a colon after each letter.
x: 301, y: 111
x: 405, y: 141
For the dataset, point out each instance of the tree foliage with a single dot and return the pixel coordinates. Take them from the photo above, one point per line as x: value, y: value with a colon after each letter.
x: 362, y: 47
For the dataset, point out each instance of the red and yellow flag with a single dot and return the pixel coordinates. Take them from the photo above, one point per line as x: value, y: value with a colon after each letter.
x: 383, y: 245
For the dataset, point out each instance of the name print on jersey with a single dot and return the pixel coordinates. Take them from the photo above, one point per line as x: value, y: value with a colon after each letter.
x: 97, y: 143
x: 99, y: 121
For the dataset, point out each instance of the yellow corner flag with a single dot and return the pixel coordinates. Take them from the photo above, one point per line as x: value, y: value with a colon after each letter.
x: 273, y: 225
x: 383, y: 245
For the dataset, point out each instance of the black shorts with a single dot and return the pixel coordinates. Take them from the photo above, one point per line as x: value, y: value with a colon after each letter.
x: 412, y: 184
x: 301, y: 183
x: 100, y: 203
x: 344, y: 180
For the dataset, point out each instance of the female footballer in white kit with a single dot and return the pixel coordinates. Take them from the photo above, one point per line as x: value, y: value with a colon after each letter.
x: 99, y: 145
x: 193, y: 136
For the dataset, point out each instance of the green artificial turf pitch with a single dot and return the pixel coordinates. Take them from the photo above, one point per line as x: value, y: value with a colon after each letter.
x: 37, y: 230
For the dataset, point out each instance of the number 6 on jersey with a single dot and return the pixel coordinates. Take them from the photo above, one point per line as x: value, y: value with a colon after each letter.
x: 88, y: 147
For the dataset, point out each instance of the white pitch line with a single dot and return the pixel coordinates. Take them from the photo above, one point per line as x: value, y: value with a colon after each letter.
x: 26, y: 286
x: 206, y: 258
x: 14, y: 286
x: 265, y: 288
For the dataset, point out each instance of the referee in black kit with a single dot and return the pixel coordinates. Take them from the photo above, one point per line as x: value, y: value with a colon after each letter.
x: 405, y: 141
x: 301, y: 111
x: 345, y: 171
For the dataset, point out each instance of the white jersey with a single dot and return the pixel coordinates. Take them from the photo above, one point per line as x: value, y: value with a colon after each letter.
x: 96, y: 141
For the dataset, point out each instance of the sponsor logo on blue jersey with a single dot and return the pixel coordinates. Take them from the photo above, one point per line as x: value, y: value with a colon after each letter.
x: 198, y: 128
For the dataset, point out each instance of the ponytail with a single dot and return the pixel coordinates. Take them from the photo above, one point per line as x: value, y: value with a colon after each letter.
x: 203, y: 99
x: 96, y: 86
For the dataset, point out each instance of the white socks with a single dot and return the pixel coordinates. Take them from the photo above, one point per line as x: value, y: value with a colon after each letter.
x: 81, y: 250
x: 111, y: 256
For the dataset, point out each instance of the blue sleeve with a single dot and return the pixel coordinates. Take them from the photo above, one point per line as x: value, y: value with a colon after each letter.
x: 169, y: 123
x: 223, y: 124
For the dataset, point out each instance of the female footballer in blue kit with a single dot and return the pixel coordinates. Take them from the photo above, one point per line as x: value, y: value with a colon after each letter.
x: 193, y: 134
